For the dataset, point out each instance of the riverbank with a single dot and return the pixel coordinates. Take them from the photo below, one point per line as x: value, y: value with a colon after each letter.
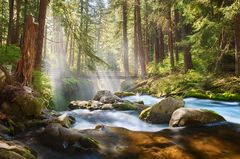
x: 192, y: 84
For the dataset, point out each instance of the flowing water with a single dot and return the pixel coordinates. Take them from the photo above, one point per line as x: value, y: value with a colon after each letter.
x: 86, y: 119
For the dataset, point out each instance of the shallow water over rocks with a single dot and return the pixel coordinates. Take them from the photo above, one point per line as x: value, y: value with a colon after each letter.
x: 86, y: 119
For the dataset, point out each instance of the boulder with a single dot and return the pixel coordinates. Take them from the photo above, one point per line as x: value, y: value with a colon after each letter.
x: 106, y: 97
x: 20, y: 103
x: 129, y: 106
x: 15, y: 150
x: 124, y: 94
x: 58, y: 137
x: 191, y: 116
x: 78, y: 105
x: 107, y: 107
x: 162, y: 111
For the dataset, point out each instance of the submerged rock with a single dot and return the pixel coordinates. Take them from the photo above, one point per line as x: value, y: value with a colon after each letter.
x: 162, y: 111
x: 15, y: 150
x: 58, y: 137
x: 191, y: 116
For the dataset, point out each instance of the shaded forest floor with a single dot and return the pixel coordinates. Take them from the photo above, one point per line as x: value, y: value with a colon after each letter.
x: 192, y: 84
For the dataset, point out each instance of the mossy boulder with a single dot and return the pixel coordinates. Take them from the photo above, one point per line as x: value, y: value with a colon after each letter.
x: 128, y: 106
x: 16, y: 101
x: 162, y: 111
x: 62, y: 138
x: 124, y: 94
x: 191, y: 116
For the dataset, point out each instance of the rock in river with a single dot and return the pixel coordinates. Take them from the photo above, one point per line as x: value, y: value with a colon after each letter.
x: 58, y: 137
x: 191, y: 116
x: 162, y: 111
x: 106, y: 96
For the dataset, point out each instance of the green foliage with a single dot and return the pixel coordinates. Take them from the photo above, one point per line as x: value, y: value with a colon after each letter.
x: 9, y: 55
x: 41, y: 83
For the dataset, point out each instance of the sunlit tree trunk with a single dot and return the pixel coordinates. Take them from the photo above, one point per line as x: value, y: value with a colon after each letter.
x: 140, y: 42
x: 70, y: 51
x: 170, y: 39
x: 28, y: 51
x: 79, y: 45
x: 125, y: 39
x: 237, y: 45
x: 136, y: 53
x: 10, y: 22
x: 41, y: 21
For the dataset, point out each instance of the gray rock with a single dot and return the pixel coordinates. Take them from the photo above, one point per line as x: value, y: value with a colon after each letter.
x: 58, y: 137
x: 78, y: 104
x: 162, y: 111
x: 106, y: 96
x: 191, y: 116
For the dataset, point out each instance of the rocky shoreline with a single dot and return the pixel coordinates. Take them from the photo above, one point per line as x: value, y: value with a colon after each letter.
x: 42, y: 133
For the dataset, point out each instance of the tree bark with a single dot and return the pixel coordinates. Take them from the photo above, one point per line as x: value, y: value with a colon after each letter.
x: 136, y: 53
x: 140, y: 42
x: 125, y: 39
x: 170, y: 39
x: 28, y: 51
x: 41, y: 20
x: 10, y: 22
x: 156, y: 49
x: 177, y: 34
x: 161, y: 44
x: 146, y: 34
x: 237, y: 45
x: 188, y: 64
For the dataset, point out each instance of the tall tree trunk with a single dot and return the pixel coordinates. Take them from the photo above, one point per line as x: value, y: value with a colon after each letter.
x: 45, y: 44
x: 177, y: 33
x: 41, y: 20
x: 10, y: 22
x: 15, y: 38
x: 156, y: 49
x: 187, y: 54
x: 161, y: 44
x: 125, y: 39
x: 28, y: 50
x: 136, y: 53
x: 170, y: 39
x: 237, y: 45
x: 146, y: 33
x: 80, y: 46
x: 73, y: 52
x: 140, y: 42
x: 70, y: 52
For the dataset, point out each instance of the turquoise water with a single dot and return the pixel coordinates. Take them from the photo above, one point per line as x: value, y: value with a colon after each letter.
x: 229, y: 110
x: 86, y: 119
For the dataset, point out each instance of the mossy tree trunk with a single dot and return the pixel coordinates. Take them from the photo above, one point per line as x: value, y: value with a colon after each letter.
x: 26, y: 63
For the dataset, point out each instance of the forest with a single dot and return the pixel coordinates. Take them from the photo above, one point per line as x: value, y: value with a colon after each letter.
x: 119, y: 79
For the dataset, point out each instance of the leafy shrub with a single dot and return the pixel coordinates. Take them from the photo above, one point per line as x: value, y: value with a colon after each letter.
x: 9, y: 55
x: 41, y: 83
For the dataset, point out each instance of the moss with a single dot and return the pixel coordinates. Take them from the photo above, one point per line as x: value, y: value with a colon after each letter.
x: 124, y: 106
x: 194, y: 84
x: 144, y: 114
